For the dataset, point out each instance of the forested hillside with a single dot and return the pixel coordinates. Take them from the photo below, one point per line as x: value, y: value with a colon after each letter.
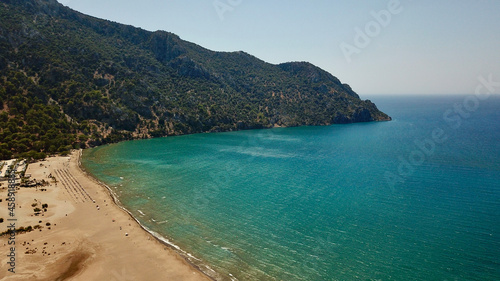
x: 68, y: 80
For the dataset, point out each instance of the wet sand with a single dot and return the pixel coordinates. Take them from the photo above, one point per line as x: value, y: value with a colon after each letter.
x: 83, y: 235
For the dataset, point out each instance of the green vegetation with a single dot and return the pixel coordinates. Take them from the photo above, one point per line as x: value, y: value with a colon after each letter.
x: 69, y: 81
x: 31, y: 128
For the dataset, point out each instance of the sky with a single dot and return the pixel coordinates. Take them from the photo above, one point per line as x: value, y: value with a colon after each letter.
x: 382, y: 47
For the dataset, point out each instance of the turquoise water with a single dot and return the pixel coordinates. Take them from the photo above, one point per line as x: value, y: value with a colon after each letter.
x: 343, y: 202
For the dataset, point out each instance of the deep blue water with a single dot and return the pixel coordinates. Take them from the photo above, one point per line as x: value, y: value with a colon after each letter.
x: 417, y: 198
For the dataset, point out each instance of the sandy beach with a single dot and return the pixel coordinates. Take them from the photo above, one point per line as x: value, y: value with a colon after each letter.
x: 82, y: 235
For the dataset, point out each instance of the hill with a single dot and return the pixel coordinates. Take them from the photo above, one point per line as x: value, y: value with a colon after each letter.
x: 69, y: 80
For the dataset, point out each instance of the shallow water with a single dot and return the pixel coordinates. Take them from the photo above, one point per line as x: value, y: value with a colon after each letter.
x: 372, y: 201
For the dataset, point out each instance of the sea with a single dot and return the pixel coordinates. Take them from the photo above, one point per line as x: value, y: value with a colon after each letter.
x: 415, y: 198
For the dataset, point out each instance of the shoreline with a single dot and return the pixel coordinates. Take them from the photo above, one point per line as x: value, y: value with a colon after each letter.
x: 165, y: 241
x: 84, y: 233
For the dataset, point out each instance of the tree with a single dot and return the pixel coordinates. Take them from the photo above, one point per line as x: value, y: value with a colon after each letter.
x: 5, y: 154
x: 52, y: 149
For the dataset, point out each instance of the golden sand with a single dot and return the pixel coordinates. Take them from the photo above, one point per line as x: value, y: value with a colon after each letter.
x: 84, y: 235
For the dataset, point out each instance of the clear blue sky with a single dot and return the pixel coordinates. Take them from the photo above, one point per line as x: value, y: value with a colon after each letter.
x: 427, y: 47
